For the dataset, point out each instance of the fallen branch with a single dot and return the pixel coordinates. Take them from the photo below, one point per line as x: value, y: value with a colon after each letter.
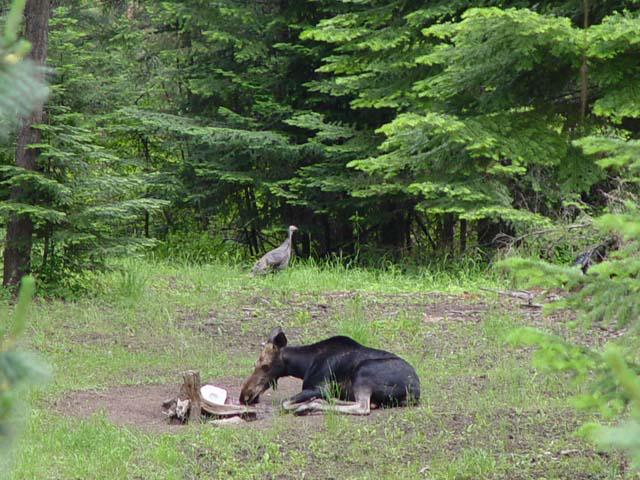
x: 509, y: 241
x: 520, y: 295
x: 467, y: 312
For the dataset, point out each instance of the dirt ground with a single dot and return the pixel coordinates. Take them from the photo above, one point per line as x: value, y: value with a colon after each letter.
x: 139, y: 406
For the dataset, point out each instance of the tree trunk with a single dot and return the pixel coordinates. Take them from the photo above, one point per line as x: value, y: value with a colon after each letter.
x: 345, y: 238
x: 47, y: 246
x: 463, y: 236
x: 584, y: 68
x: 407, y: 231
x: 326, y: 248
x: 393, y: 230
x: 306, y: 244
x: 425, y: 230
x: 146, y: 223
x: 17, y: 250
x: 147, y: 168
x: 447, y: 232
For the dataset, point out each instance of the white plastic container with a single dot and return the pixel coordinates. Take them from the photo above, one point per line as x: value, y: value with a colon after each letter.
x: 213, y: 394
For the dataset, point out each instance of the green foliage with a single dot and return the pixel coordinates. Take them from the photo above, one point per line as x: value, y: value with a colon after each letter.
x: 131, y: 282
x: 18, y: 370
x: 21, y: 87
x: 88, y: 197
x: 625, y: 437
x: 608, y: 294
x: 196, y: 248
x: 476, y: 105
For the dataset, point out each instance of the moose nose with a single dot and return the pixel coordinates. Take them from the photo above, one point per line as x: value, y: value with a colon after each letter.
x: 248, y: 399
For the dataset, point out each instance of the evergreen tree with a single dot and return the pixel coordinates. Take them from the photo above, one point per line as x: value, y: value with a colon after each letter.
x: 484, y: 105
x: 378, y: 124
x: 239, y: 73
x: 88, y: 197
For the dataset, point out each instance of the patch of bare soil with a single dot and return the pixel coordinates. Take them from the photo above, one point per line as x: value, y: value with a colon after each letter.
x: 139, y: 406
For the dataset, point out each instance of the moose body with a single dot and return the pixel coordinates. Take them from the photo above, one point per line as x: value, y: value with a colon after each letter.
x: 336, y: 368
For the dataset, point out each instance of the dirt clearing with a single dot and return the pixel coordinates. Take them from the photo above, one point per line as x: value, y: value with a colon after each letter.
x: 140, y: 405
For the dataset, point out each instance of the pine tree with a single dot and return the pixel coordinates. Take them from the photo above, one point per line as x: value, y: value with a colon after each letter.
x: 239, y: 72
x: 88, y: 196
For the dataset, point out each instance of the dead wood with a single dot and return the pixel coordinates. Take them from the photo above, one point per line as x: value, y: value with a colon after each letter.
x: 519, y: 294
x: 191, y: 390
x: 190, y: 406
x: 509, y: 241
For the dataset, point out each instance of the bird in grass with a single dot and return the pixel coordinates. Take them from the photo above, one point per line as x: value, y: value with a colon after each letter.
x: 596, y: 254
x: 276, y: 259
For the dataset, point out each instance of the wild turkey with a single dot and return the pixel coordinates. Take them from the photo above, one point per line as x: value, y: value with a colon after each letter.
x: 595, y: 255
x: 276, y: 259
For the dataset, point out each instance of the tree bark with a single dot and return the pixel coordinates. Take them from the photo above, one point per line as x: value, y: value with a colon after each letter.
x: 584, y: 68
x: 17, y: 250
x: 191, y: 389
x: 392, y: 232
x: 325, y: 249
x: 146, y: 223
x: 447, y: 233
x: 425, y: 230
x: 306, y: 244
x: 463, y: 236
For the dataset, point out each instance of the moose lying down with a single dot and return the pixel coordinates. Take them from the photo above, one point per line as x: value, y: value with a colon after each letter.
x: 361, y: 377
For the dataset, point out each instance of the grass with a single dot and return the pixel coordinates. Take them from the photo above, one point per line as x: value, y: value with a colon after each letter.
x: 485, y: 412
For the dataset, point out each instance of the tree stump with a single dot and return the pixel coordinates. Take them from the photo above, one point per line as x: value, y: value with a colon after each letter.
x: 191, y: 390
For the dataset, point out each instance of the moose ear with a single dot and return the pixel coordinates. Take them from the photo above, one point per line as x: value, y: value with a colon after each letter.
x: 278, y: 338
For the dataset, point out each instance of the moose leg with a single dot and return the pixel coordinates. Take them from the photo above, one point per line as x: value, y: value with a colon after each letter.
x: 289, y: 406
x: 362, y: 406
x: 301, y: 398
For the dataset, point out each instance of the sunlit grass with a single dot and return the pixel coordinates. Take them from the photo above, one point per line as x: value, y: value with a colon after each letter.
x: 485, y: 413
x: 313, y: 277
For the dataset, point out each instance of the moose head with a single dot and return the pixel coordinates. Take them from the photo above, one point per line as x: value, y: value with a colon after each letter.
x: 269, y: 367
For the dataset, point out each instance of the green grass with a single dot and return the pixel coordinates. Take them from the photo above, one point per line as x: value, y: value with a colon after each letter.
x: 485, y: 412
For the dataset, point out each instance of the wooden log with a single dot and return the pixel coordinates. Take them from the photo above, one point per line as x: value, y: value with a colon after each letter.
x: 226, y: 421
x: 227, y: 410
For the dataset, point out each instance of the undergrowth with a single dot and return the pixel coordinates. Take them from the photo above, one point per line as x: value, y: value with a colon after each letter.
x: 484, y: 411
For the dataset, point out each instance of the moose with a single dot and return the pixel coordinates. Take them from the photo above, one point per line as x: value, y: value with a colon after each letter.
x: 360, y: 377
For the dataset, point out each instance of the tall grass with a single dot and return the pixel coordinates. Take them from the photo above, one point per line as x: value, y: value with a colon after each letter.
x: 390, y: 277
x: 355, y: 324
x: 193, y: 248
x: 131, y: 280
